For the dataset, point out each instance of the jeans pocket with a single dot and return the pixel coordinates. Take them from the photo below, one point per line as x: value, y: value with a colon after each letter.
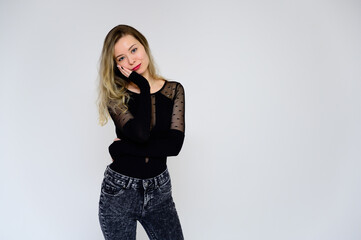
x: 166, y: 187
x: 112, y: 187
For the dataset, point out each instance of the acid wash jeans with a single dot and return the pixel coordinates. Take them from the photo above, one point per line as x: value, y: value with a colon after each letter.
x: 125, y: 200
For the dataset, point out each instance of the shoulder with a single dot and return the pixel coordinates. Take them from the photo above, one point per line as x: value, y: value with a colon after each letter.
x: 174, y: 85
x: 172, y: 88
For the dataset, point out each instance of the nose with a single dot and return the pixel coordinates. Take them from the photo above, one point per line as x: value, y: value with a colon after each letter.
x: 131, y: 60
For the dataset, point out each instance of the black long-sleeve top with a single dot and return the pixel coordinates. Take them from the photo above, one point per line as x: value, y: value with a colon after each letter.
x: 150, y: 130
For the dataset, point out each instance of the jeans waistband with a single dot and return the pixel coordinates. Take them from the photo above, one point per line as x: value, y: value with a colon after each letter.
x: 136, y: 183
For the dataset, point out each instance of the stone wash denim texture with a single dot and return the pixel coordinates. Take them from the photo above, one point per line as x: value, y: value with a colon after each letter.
x: 125, y: 200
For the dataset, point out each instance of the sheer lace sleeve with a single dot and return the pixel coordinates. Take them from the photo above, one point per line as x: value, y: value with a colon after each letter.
x: 178, y: 109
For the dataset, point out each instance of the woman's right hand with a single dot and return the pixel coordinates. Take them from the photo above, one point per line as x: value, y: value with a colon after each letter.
x: 140, y: 81
x: 126, y: 72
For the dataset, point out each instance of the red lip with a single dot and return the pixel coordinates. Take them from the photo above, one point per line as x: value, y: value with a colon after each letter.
x: 137, y: 67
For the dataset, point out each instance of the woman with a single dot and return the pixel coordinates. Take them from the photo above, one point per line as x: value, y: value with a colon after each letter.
x: 148, y: 113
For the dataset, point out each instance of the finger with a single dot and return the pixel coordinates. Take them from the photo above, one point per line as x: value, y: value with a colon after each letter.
x: 117, y: 139
x: 126, y: 72
x: 121, y: 69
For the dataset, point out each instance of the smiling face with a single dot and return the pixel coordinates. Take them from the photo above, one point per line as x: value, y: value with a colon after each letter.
x: 130, y: 53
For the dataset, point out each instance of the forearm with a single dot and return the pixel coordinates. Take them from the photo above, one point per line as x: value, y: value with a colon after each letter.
x: 138, y: 128
x: 169, y: 145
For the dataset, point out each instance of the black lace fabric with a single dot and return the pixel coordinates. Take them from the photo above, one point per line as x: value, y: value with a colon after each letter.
x: 120, y: 115
x: 175, y: 91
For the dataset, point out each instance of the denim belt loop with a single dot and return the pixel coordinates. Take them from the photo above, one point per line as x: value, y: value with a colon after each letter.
x: 155, y: 183
x: 129, y: 183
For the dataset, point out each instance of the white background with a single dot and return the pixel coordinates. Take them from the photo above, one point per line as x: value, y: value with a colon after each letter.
x: 273, y: 113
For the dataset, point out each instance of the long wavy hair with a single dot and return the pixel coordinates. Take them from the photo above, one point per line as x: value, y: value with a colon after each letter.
x: 112, y: 88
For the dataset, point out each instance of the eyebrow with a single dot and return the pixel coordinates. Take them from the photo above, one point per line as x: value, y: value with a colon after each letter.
x: 128, y: 50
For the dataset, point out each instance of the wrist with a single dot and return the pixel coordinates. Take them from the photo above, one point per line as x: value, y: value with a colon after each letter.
x: 140, y: 81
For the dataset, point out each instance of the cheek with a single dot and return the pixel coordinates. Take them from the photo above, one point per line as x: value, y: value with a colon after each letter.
x: 145, y: 58
x: 140, y: 56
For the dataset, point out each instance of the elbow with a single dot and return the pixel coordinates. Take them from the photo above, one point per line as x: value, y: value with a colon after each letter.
x: 177, y: 148
x: 113, y: 150
x: 175, y: 153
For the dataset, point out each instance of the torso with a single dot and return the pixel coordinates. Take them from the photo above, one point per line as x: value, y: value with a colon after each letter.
x: 162, y: 99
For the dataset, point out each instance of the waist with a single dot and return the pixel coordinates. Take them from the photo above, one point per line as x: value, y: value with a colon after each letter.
x: 139, y: 167
x: 136, y: 183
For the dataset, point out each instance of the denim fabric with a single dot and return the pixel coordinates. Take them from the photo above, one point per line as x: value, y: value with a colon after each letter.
x: 125, y: 200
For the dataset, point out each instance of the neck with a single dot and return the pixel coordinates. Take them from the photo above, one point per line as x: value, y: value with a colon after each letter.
x: 149, y: 78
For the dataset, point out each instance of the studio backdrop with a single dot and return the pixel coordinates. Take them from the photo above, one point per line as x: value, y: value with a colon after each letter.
x: 273, y: 109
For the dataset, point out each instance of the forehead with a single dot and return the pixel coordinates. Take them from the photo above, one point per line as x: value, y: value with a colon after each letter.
x: 124, y: 43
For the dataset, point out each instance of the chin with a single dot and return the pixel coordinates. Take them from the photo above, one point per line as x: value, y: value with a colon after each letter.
x: 140, y: 71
